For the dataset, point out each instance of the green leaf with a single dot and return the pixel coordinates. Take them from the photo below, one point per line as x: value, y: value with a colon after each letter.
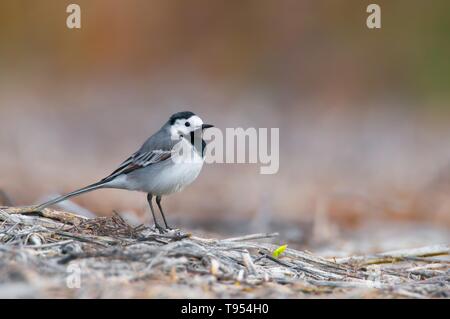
x: 277, y: 252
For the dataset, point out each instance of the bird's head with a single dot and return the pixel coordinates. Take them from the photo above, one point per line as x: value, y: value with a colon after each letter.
x: 185, y: 124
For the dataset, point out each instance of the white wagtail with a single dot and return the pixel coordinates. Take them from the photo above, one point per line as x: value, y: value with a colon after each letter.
x: 152, y: 169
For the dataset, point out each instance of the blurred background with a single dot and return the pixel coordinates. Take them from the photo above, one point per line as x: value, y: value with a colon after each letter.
x: 363, y: 114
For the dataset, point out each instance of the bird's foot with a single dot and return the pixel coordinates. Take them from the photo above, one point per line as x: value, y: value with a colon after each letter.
x: 161, y: 229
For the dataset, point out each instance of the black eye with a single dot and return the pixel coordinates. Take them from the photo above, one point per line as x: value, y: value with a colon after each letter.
x: 187, y: 124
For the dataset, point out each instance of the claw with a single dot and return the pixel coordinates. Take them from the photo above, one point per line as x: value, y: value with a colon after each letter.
x: 161, y: 230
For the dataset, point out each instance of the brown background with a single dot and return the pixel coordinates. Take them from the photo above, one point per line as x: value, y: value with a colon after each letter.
x: 363, y: 114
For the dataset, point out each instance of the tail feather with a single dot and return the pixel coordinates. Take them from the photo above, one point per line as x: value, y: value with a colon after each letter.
x: 74, y: 193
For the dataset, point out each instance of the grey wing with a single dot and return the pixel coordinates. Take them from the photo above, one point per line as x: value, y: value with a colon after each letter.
x: 156, y: 149
x: 139, y: 160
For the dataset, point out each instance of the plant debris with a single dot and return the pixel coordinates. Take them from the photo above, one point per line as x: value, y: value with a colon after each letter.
x: 58, y: 254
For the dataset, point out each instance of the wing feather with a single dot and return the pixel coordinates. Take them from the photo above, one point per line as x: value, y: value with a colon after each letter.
x: 139, y: 160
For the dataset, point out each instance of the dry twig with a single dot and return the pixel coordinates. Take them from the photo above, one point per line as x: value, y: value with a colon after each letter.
x: 107, y: 248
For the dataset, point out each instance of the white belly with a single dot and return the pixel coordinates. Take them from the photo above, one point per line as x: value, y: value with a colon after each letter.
x: 161, y: 178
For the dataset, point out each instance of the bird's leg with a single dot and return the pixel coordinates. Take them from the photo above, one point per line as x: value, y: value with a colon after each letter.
x: 159, y: 227
x: 158, y: 202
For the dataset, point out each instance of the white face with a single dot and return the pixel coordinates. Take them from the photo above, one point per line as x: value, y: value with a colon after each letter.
x: 185, y: 126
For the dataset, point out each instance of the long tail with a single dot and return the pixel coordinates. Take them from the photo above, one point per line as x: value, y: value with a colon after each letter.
x: 74, y: 193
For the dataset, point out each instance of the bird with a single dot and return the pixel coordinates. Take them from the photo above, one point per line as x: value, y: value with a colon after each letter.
x: 167, y: 162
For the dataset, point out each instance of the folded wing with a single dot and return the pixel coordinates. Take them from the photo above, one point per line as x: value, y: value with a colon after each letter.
x: 139, y: 160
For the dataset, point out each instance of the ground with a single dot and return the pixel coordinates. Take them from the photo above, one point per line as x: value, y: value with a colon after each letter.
x: 53, y: 253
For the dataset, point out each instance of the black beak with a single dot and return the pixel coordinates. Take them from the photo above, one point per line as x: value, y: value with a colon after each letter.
x: 205, y: 126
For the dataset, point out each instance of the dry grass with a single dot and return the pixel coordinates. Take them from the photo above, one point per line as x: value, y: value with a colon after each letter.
x: 42, y: 253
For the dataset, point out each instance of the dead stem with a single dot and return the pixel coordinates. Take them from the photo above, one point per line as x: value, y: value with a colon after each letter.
x: 109, y: 248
